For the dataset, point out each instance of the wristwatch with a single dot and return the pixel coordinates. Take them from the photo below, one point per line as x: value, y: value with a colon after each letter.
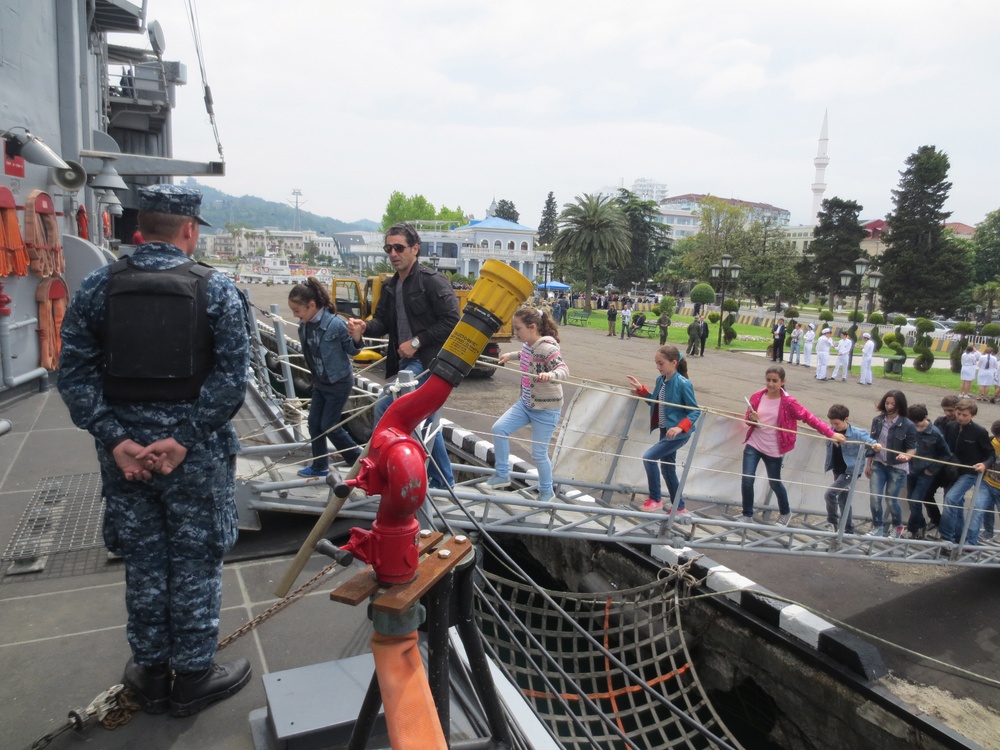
x: 415, y: 342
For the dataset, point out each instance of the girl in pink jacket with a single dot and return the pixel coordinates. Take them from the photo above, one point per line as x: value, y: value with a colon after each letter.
x: 771, y: 408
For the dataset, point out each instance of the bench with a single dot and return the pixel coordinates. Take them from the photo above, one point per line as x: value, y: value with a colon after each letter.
x: 577, y: 317
x: 650, y: 328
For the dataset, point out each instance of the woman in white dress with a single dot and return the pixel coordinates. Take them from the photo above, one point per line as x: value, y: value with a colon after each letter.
x: 969, y: 358
x: 987, y: 374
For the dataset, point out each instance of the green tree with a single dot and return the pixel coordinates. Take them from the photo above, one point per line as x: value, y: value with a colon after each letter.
x: 768, y: 260
x: 312, y: 250
x: 723, y: 232
x: 987, y: 246
x: 703, y: 293
x: 592, y: 231
x: 647, y: 237
x: 548, y: 227
x: 401, y: 208
x: 918, y: 254
x: 836, y: 244
x: 456, y: 218
x: 987, y: 295
x: 506, y: 210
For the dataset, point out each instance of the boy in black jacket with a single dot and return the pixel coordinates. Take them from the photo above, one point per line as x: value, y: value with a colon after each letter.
x: 970, y: 444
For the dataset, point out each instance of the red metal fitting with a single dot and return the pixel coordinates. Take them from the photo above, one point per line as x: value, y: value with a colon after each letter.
x: 4, y: 301
x: 394, y: 468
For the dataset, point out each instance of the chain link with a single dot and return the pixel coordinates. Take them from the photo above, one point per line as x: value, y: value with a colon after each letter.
x: 116, y: 706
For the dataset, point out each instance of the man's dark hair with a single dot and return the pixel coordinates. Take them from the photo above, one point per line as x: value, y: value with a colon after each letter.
x: 917, y: 413
x: 995, y: 429
x: 407, y: 230
x: 838, y: 411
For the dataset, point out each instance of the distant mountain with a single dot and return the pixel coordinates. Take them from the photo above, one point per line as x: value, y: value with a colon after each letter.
x: 220, y: 209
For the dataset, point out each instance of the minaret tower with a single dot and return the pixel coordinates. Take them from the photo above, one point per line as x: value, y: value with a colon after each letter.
x: 821, y: 160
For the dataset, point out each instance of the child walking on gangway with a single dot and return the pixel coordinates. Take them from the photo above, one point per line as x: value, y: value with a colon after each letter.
x: 674, y: 410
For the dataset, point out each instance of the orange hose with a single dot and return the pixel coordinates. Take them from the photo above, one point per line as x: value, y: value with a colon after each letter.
x: 410, y: 714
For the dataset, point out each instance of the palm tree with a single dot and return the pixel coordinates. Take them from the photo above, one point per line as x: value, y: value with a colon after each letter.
x: 987, y: 294
x: 592, y: 231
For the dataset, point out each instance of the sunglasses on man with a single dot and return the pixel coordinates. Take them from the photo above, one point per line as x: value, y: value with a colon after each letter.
x: 395, y: 248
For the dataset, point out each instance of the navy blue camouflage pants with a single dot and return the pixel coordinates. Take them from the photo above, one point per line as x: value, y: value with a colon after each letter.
x: 172, y: 533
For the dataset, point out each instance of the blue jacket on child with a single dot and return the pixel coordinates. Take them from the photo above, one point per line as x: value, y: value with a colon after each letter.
x: 850, y: 449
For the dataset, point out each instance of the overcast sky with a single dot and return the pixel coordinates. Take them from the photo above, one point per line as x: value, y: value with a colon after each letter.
x: 463, y: 101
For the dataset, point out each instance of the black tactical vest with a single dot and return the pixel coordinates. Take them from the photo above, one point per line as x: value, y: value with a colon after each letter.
x: 157, y: 340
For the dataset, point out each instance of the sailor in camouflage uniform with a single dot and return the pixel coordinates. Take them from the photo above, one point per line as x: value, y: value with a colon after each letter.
x: 167, y: 462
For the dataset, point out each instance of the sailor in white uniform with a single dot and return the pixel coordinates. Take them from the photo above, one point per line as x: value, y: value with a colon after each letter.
x: 844, y: 347
x: 823, y: 346
x: 807, y: 345
x: 867, y: 351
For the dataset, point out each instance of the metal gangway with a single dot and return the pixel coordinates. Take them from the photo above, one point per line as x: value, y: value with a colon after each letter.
x: 600, y: 482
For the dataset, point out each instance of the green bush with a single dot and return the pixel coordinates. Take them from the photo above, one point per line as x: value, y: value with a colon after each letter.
x: 877, y: 338
x: 876, y: 318
x: 713, y: 317
x: 728, y: 332
x: 667, y: 303
x: 825, y: 315
x: 898, y: 321
x: 731, y: 305
x: 856, y: 316
x: 703, y: 293
x: 965, y: 328
x: 792, y: 312
x: 991, y: 329
x: 958, y: 351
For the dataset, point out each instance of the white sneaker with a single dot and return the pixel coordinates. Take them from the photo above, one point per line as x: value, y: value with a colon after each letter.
x: 784, y: 518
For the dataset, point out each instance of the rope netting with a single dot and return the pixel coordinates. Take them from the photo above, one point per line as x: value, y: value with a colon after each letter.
x: 566, y: 652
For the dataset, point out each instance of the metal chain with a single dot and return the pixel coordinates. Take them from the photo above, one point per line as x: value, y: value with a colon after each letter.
x: 116, y: 706
x: 276, y: 607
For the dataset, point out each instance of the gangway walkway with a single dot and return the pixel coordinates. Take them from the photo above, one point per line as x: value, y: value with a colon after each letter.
x: 598, y: 478
x: 708, y: 525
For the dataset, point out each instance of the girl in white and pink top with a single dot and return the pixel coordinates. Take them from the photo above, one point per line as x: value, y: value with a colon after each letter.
x: 771, y: 408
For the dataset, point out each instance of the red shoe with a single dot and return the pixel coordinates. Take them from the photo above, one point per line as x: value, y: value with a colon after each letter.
x: 652, y: 504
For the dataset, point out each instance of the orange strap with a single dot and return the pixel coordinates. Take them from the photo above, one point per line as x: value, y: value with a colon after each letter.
x: 410, y: 714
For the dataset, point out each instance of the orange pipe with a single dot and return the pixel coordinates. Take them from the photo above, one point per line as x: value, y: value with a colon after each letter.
x: 410, y: 714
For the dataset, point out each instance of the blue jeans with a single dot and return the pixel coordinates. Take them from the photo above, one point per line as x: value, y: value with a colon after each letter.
x: 916, y: 489
x: 886, y: 483
x: 987, y: 499
x: 772, y: 464
x: 325, y: 410
x: 953, y: 514
x: 543, y: 423
x: 662, y: 457
x: 437, y: 479
x: 795, y: 355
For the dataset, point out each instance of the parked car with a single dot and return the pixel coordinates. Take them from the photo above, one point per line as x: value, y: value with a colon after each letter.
x: 911, y: 327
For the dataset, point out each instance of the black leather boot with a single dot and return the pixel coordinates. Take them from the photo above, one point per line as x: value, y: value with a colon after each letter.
x: 194, y: 691
x: 149, y: 685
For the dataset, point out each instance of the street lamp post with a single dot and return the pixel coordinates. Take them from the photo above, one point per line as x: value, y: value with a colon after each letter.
x: 725, y: 270
x: 846, y: 277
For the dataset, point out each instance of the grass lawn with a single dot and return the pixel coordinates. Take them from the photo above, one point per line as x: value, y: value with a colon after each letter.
x: 760, y: 339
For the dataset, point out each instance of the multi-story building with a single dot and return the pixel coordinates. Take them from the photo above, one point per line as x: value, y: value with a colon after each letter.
x: 692, y: 202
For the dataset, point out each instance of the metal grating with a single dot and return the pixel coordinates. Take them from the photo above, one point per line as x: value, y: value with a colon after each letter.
x: 64, y: 515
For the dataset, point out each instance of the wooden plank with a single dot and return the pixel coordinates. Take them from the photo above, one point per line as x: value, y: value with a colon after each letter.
x: 398, y: 599
x: 364, y: 585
